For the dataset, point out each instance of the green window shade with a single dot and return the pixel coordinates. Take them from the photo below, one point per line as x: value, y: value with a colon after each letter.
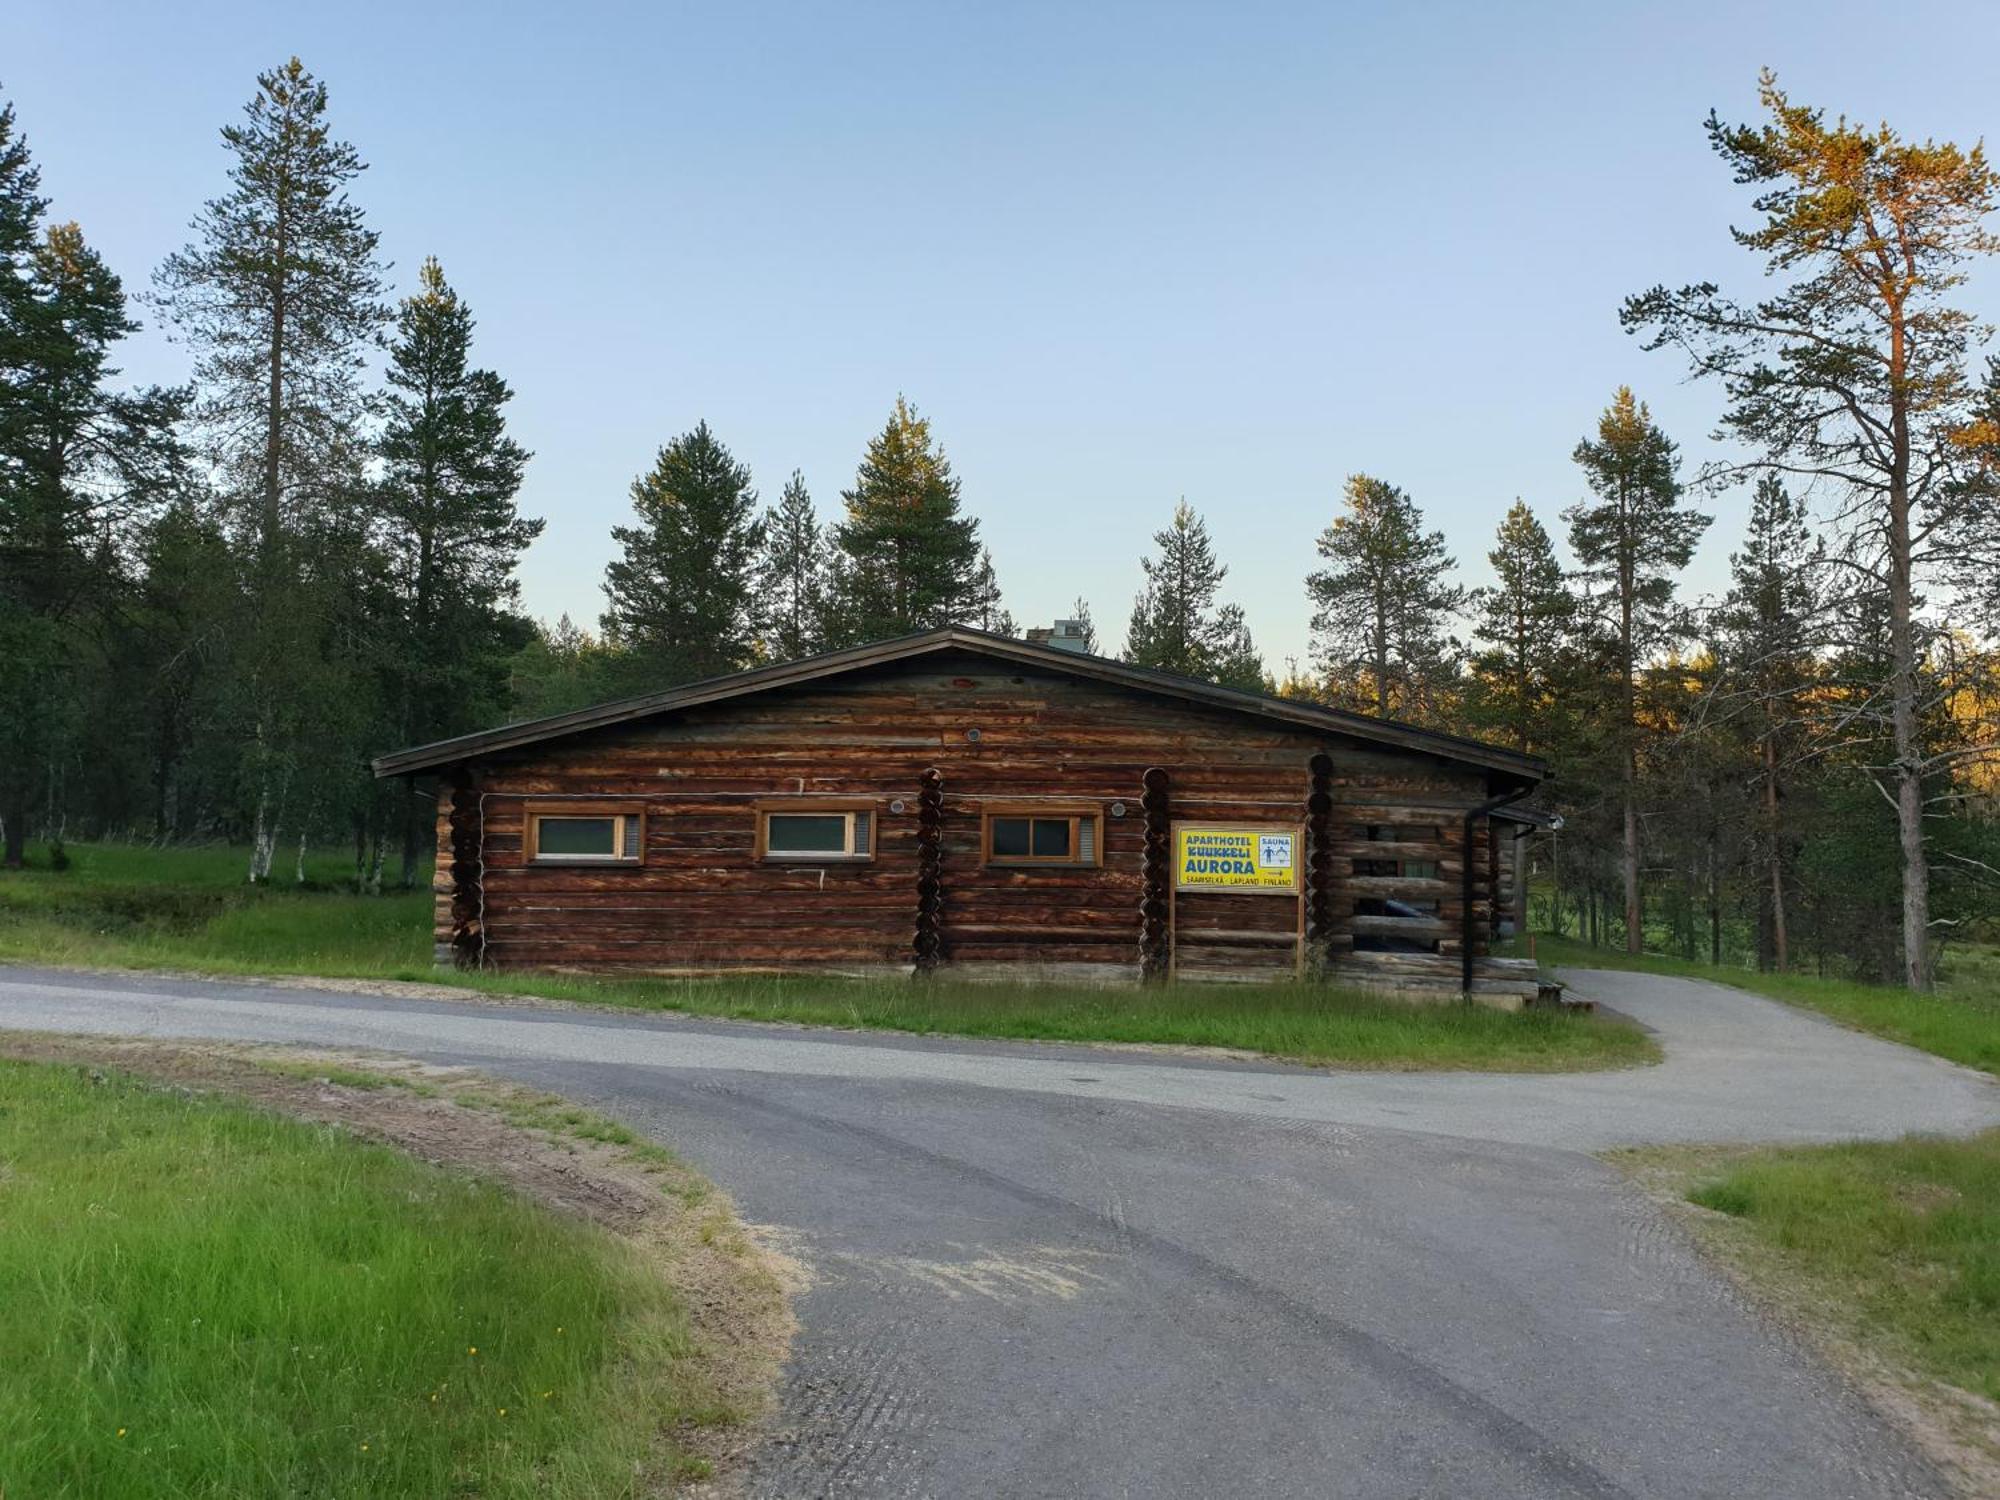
x: 807, y: 833
x: 592, y: 837
x: 1010, y: 838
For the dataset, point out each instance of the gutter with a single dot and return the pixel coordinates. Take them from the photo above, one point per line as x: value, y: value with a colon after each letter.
x: 1473, y: 815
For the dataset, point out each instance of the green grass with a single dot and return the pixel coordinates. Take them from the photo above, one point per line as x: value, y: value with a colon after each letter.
x: 127, y: 907
x: 1897, y: 1243
x: 1961, y: 1021
x: 203, y: 1299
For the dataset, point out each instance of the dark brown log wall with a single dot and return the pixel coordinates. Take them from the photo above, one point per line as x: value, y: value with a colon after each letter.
x: 703, y: 898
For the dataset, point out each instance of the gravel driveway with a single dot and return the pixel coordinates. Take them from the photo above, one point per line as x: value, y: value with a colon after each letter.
x: 1078, y: 1271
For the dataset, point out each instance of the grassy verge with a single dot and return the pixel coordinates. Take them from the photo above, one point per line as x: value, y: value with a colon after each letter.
x: 186, y: 909
x: 1889, y: 1250
x: 208, y: 1298
x: 1961, y: 1021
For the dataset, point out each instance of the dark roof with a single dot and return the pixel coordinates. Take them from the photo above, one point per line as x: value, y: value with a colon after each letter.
x: 1526, y: 768
x: 1528, y: 817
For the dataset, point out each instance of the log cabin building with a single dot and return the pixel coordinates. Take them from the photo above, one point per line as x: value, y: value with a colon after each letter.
x: 984, y: 806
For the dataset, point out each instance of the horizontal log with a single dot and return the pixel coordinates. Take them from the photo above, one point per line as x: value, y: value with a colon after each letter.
x: 1392, y: 886
x: 1414, y: 927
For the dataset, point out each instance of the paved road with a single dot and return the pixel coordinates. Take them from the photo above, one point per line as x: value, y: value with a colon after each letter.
x: 1048, y: 1271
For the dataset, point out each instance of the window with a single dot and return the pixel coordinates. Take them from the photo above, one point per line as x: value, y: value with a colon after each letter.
x: 1033, y: 836
x: 1406, y: 905
x: 607, y: 836
x: 817, y: 833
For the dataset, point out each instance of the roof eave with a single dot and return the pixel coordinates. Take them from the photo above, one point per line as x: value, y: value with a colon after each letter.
x: 761, y: 679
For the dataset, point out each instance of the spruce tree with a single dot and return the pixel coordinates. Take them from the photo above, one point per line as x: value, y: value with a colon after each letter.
x: 449, y: 527
x: 682, y: 596
x: 791, y: 576
x: 1631, y: 541
x: 912, y: 561
x: 1176, y: 624
x: 1382, y: 608
x: 1524, y: 620
x: 280, y: 298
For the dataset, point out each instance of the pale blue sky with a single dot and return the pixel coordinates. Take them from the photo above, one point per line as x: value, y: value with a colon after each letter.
x: 1118, y: 254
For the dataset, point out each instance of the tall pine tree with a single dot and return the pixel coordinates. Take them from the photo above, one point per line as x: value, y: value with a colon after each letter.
x: 791, y: 576
x: 1382, y: 607
x: 1852, y: 371
x: 280, y: 297
x: 682, y: 596
x: 1177, y: 624
x: 1631, y: 541
x: 909, y: 559
x: 449, y: 528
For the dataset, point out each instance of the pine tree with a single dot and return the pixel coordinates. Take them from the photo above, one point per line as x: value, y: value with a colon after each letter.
x: 1079, y: 611
x: 561, y: 667
x: 1176, y: 624
x: 791, y: 576
x: 988, y: 613
x: 80, y: 465
x: 911, y: 560
x: 682, y: 597
x: 1631, y: 542
x: 1235, y: 661
x: 1852, y: 371
x: 280, y: 297
x: 175, y: 643
x: 450, y: 528
x: 1765, y: 645
x: 1382, y: 610
x: 1524, y: 620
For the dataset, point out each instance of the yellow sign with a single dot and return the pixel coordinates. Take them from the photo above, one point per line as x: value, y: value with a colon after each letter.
x: 1236, y: 859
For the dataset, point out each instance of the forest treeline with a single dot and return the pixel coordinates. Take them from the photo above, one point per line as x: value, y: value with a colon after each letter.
x: 218, y: 600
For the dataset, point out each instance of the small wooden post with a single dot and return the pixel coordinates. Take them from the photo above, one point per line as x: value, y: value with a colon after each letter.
x: 928, y: 945
x: 1156, y: 892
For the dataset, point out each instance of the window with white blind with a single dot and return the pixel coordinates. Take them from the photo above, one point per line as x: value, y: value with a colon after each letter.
x: 587, y: 835
x: 816, y: 833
